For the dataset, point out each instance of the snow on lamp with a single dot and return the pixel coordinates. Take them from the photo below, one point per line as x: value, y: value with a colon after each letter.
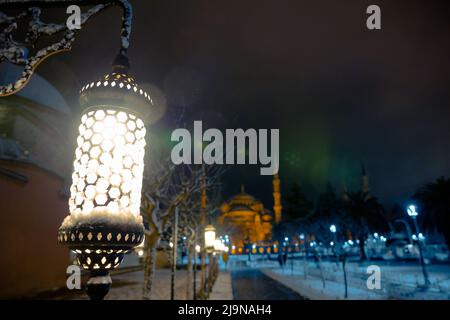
x: 105, y: 221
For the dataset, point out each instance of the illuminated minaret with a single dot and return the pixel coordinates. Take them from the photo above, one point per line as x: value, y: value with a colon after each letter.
x: 365, y: 179
x: 276, y: 198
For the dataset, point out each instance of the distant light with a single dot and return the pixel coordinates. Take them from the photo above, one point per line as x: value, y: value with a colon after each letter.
x: 233, y: 247
x: 197, y: 248
x: 140, y: 253
x: 375, y: 235
x: 414, y: 237
x: 302, y: 236
x: 184, y: 238
x: 274, y: 245
x: 311, y: 244
x: 357, y: 241
x: 350, y: 242
x: 286, y: 239
x: 412, y: 211
x: 333, y: 228
x: 421, y: 236
x: 171, y: 244
x: 331, y: 243
x: 253, y: 246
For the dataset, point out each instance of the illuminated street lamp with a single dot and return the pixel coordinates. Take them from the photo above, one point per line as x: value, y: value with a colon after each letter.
x: 412, y: 212
x: 218, y: 245
x: 210, y: 238
x: 105, y: 221
x: 334, y: 243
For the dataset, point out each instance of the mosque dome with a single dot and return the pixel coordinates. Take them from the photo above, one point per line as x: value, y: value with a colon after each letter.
x: 242, y: 197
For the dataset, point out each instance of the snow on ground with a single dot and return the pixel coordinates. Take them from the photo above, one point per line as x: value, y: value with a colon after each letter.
x: 312, y: 288
x: 398, y: 281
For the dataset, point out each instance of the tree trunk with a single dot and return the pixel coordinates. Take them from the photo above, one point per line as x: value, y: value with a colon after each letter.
x: 203, y: 273
x: 191, y: 250
x: 319, y: 264
x: 362, y: 249
x: 151, y: 242
x: 344, y: 260
x: 174, y: 254
x: 305, y: 262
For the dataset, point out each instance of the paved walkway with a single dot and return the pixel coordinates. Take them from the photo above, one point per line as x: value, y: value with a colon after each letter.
x: 249, y: 284
x: 222, y: 289
x: 128, y: 286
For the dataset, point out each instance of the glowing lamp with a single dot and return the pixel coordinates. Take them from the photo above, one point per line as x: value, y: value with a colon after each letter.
x: 412, y: 211
x: 210, y: 237
x: 333, y: 228
x: 105, y: 196
x: 218, y: 245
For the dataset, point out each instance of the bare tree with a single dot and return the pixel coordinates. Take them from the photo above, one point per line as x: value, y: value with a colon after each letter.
x: 191, y: 223
x: 167, y: 187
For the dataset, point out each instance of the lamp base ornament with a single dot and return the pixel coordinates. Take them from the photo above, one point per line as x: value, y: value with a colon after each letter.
x: 99, y: 249
x: 98, y: 285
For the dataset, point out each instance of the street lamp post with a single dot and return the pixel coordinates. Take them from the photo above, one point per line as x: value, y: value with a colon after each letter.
x: 105, y: 221
x: 210, y: 238
x: 333, y: 231
x: 413, y: 214
x: 218, y: 248
x: 196, y: 252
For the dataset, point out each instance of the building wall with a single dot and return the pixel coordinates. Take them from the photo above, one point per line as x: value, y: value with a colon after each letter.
x: 48, y: 145
x: 30, y: 214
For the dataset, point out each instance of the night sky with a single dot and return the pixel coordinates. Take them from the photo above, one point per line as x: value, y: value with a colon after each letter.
x: 339, y: 93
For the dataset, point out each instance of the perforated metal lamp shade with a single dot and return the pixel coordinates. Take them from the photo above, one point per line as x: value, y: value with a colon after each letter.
x: 104, y: 221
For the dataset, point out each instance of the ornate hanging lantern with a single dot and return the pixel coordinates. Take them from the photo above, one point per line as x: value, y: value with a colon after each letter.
x: 105, y: 221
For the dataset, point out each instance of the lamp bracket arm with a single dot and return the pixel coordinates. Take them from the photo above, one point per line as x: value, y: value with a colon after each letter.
x: 26, y: 55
